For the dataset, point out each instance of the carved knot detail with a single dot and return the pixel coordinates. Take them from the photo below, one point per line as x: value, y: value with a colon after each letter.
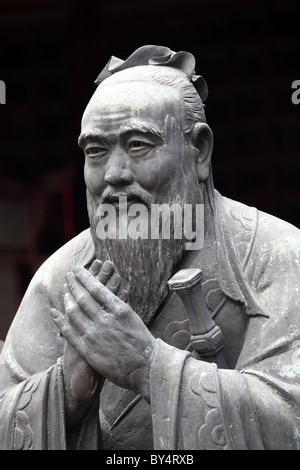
x: 211, y: 434
x: 23, y: 432
x: 23, y: 436
x: 177, y: 334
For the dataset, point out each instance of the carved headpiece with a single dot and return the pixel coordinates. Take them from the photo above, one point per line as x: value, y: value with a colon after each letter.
x: 158, y: 55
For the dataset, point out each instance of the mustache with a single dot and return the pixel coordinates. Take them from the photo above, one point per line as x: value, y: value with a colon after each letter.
x: 131, y: 192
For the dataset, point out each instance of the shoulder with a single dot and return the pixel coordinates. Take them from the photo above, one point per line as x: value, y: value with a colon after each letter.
x: 79, y: 250
x: 45, y: 288
x: 33, y: 337
x: 266, y: 229
x: 272, y: 229
x: 277, y: 247
x: 268, y: 247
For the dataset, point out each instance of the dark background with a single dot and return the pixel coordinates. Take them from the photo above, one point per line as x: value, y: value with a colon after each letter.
x: 52, y: 51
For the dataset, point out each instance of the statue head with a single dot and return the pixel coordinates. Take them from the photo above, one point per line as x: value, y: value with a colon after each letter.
x: 144, y: 136
x: 170, y: 77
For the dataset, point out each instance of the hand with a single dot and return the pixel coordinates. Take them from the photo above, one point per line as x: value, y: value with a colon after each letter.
x: 82, y: 382
x: 107, y: 332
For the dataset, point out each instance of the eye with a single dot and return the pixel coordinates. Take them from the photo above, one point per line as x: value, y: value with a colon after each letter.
x: 135, y: 144
x: 94, y: 151
x: 139, y: 147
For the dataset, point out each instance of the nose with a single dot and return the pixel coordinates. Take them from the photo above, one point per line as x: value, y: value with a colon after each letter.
x: 117, y: 172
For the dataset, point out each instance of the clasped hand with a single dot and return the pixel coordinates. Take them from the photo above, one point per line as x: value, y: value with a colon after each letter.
x: 104, y: 329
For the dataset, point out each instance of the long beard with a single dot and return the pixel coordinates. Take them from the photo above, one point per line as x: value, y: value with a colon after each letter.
x: 145, y: 266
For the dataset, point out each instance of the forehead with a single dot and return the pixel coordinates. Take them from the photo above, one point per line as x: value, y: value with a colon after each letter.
x: 115, y: 105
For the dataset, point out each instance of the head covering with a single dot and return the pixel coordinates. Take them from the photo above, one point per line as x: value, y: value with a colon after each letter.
x: 161, y: 56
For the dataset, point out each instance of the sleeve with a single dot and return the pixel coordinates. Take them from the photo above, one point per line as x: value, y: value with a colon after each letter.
x: 256, y: 406
x: 31, y: 373
x: 32, y: 413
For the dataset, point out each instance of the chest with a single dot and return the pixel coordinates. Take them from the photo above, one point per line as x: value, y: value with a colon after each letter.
x: 125, y: 419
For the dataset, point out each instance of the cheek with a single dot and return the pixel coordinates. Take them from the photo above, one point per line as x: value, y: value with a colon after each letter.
x: 94, y: 179
x: 146, y: 173
x: 157, y: 171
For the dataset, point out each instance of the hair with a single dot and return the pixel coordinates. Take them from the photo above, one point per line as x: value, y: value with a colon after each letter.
x: 175, y: 78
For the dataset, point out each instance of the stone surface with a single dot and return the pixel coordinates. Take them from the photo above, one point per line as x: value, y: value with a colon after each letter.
x: 98, y: 328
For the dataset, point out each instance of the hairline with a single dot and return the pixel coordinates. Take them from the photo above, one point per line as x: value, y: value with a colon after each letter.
x: 134, y: 125
x: 181, y: 87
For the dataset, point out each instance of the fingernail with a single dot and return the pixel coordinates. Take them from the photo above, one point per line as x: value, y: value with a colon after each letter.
x: 69, y: 276
x: 77, y: 269
x: 114, y: 280
x: 54, y: 313
x: 107, y: 266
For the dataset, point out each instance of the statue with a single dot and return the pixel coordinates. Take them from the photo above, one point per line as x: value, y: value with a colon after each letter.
x: 103, y: 353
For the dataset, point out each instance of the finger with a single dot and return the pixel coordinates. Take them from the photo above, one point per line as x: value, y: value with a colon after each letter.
x: 84, y: 297
x: 106, y: 272
x: 95, y: 267
x: 114, y: 283
x: 123, y: 295
x: 69, y: 301
x: 74, y: 313
x: 98, y: 291
x: 68, y: 332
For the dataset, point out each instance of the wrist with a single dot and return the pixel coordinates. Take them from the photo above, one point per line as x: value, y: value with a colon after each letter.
x: 82, y: 386
x: 141, y: 376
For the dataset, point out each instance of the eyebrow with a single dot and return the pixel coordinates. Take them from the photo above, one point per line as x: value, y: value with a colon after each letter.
x: 133, y: 126
x: 95, y: 134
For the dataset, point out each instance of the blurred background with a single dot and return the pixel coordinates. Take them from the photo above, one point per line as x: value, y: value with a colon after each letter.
x: 51, y: 51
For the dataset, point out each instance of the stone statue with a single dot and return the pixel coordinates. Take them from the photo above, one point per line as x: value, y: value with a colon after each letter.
x: 99, y: 355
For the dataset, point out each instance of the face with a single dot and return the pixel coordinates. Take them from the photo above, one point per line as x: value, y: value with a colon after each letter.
x: 134, y: 145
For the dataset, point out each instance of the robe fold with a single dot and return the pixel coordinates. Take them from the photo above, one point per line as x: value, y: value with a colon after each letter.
x: 251, y: 288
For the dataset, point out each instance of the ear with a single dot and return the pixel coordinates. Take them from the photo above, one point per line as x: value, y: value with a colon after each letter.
x: 203, y: 140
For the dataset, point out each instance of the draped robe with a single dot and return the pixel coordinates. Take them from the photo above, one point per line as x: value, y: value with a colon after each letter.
x: 251, y: 279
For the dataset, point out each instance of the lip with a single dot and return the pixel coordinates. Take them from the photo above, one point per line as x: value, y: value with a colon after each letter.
x: 131, y: 199
x: 134, y: 195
